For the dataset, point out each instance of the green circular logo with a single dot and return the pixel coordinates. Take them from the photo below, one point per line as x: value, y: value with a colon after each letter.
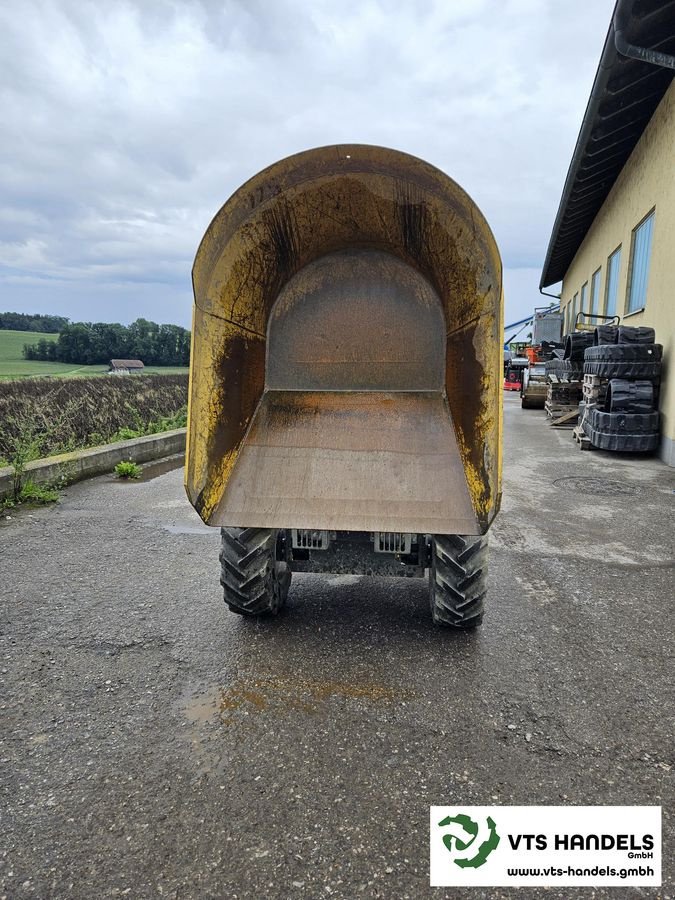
x: 469, y: 842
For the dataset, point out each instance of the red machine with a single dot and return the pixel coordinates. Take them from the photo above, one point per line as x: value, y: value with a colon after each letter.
x: 513, y: 375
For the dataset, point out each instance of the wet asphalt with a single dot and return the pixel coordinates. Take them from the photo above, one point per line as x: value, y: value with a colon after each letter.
x: 155, y: 745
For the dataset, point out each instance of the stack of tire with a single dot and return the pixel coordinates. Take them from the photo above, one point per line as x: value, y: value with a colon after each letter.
x: 567, y: 362
x: 631, y: 362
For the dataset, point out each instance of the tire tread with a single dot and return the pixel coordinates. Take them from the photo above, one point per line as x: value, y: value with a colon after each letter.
x: 248, y: 568
x: 458, y: 580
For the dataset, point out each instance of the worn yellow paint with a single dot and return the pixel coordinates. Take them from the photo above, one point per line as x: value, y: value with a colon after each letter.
x: 302, y: 208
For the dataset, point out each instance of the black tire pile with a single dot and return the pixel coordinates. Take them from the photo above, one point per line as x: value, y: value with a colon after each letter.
x: 629, y: 359
x: 568, y: 364
x: 564, y: 369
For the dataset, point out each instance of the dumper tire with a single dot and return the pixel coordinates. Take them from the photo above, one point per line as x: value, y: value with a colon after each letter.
x: 255, y: 581
x: 458, y: 579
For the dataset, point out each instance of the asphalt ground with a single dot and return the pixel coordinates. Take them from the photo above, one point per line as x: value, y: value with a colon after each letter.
x: 155, y: 745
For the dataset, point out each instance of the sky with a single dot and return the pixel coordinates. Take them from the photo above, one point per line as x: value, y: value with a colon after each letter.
x: 126, y: 126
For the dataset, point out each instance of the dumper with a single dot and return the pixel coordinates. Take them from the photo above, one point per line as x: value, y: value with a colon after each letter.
x: 345, y: 380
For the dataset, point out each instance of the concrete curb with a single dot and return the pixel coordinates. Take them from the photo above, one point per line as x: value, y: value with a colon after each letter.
x: 96, y: 460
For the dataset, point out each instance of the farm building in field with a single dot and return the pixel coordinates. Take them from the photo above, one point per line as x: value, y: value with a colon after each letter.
x: 613, y: 241
x: 125, y: 366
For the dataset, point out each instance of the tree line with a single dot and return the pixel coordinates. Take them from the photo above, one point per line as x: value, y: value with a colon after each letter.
x: 14, y: 321
x: 93, y: 343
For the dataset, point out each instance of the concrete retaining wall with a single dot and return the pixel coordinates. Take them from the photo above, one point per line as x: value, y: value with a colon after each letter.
x: 96, y: 461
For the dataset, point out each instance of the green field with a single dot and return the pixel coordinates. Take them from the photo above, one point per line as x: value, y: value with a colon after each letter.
x: 13, y: 365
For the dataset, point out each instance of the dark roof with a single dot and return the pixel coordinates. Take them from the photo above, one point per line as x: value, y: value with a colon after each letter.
x: 126, y: 364
x: 625, y: 93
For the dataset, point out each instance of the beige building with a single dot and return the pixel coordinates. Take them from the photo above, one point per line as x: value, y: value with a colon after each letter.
x: 613, y: 242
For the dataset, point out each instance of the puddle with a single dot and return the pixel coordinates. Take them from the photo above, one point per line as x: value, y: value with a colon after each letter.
x: 344, y: 580
x: 161, y: 467
x: 278, y: 695
x: 155, y: 468
x: 189, y: 529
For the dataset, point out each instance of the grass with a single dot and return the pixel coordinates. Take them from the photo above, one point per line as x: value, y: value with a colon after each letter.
x: 37, y: 493
x: 30, y: 494
x: 165, y: 370
x: 13, y: 365
x: 164, y: 423
x: 128, y: 469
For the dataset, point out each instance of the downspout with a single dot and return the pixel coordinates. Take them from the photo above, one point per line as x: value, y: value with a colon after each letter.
x: 546, y: 294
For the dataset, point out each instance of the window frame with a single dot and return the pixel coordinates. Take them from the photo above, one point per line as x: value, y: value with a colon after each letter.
x: 644, y: 268
x: 595, y: 293
x: 608, y: 280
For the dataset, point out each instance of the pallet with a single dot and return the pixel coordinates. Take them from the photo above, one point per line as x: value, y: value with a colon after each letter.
x: 564, y: 394
x: 594, y: 394
x: 566, y: 421
x: 563, y: 381
x: 582, y: 439
x: 594, y: 388
x: 559, y: 411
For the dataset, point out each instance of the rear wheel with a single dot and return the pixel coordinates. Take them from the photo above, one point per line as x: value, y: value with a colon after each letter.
x: 458, y: 579
x: 254, y: 576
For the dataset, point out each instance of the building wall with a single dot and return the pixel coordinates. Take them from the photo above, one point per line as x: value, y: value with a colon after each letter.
x: 646, y: 182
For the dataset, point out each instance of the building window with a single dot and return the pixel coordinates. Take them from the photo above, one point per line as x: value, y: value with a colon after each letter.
x: 612, y: 286
x: 641, y: 248
x: 584, y: 292
x: 595, y: 293
x: 575, y: 310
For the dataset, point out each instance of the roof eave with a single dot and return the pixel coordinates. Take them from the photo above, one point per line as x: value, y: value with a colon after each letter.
x: 554, y: 268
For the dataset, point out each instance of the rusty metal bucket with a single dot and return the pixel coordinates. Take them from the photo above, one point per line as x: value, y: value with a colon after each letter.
x: 346, y: 360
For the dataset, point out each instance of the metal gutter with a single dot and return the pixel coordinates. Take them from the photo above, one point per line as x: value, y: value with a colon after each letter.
x: 629, y: 84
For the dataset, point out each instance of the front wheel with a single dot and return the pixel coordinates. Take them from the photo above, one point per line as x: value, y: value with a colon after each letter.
x: 458, y: 579
x: 254, y: 577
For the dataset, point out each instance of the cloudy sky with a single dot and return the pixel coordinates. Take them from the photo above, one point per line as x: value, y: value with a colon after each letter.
x: 126, y: 125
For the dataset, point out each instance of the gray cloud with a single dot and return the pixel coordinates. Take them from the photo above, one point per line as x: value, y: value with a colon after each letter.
x: 127, y: 125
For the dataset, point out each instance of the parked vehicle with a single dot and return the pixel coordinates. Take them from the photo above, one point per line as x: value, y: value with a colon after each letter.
x: 344, y: 396
x: 535, y: 386
x: 513, y: 379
